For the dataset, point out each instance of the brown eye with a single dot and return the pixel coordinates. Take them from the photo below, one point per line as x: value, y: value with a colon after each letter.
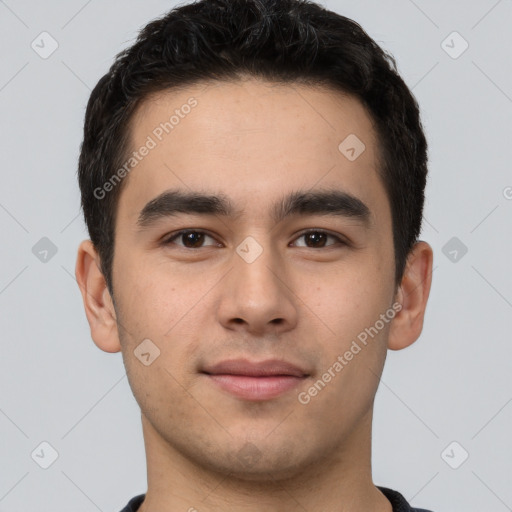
x: 190, y: 239
x: 317, y: 239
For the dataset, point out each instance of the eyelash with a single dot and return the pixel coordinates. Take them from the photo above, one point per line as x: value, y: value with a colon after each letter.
x: 169, y: 240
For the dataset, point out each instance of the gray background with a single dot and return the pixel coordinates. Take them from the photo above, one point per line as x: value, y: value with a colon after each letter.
x: 453, y: 384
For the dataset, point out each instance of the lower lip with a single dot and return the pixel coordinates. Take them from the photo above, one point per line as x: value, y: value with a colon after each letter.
x: 256, y: 388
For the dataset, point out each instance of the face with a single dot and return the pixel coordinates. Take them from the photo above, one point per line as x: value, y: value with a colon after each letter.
x: 266, y: 309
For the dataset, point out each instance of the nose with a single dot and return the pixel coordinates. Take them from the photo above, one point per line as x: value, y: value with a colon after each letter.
x: 258, y: 295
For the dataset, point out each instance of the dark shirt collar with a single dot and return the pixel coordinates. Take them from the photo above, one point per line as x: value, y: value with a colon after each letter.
x: 397, y: 501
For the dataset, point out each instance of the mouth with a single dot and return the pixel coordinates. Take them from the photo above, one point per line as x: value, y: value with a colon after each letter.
x: 255, y: 381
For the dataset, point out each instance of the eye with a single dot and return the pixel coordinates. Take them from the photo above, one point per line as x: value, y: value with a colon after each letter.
x: 190, y: 238
x: 318, y: 238
x: 194, y: 239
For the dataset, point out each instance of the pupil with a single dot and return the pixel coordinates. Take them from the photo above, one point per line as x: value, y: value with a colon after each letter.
x: 314, y: 237
x: 189, y: 237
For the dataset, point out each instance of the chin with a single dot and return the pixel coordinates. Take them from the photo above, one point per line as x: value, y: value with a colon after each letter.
x: 265, y: 465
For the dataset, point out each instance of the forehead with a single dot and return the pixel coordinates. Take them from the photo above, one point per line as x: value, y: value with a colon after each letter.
x: 252, y: 140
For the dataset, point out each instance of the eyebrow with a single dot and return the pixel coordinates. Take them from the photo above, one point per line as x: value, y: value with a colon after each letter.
x: 320, y: 202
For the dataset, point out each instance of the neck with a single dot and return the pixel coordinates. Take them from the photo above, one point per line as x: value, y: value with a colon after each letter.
x: 341, y: 482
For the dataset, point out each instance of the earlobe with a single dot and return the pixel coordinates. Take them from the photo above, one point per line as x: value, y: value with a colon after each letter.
x: 413, y: 295
x: 98, y: 304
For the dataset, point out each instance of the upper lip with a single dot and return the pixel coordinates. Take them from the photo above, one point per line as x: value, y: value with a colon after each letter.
x: 266, y: 368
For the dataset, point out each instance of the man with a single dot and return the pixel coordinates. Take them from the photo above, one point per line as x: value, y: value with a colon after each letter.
x: 252, y: 177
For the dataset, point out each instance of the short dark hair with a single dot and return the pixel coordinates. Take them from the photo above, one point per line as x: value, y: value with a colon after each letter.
x: 281, y: 41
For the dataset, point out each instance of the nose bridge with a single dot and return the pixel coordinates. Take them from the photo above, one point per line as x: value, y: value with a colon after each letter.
x: 257, y: 265
x: 257, y: 294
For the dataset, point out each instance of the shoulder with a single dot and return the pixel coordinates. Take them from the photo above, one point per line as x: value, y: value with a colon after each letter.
x: 398, y: 502
x: 134, y: 504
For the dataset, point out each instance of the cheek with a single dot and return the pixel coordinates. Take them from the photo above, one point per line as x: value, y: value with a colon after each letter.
x: 148, y: 300
x: 155, y: 346
x: 158, y: 390
x: 156, y: 305
x: 353, y: 349
x: 353, y: 295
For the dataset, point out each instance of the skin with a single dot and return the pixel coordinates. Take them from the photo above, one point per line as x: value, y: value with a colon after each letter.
x: 255, y: 142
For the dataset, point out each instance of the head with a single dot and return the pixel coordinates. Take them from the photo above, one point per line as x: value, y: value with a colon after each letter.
x: 262, y: 119
x: 221, y: 40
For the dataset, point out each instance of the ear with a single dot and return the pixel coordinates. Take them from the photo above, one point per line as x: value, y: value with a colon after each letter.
x: 412, y: 294
x: 98, y: 304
